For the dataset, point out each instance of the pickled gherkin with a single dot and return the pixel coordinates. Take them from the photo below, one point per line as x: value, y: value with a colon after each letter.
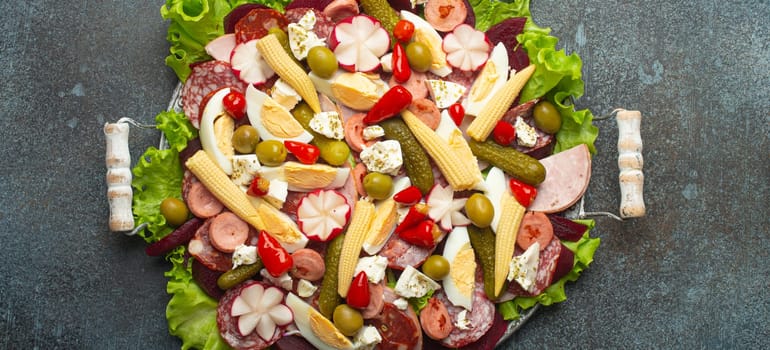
x: 416, y: 161
x: 516, y: 164
x: 483, y: 243
x: 328, y: 299
x: 334, y: 152
x: 381, y: 10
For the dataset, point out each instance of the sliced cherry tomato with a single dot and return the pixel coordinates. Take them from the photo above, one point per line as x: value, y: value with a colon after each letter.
x: 275, y: 258
x: 408, y: 196
x: 523, y: 193
x: 391, y: 103
x: 403, y: 30
x: 358, y: 294
x: 305, y: 153
x: 235, y: 104
x: 457, y: 112
x: 423, y: 234
x: 504, y: 133
x: 401, y: 70
x: 258, y: 187
x: 415, y: 215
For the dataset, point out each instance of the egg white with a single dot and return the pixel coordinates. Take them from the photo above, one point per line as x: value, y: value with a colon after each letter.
x: 456, y: 242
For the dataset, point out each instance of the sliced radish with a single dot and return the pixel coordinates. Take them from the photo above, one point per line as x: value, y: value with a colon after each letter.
x: 444, y: 209
x: 262, y: 309
x: 222, y: 47
x: 466, y: 48
x: 359, y: 42
x: 248, y: 64
x: 322, y: 214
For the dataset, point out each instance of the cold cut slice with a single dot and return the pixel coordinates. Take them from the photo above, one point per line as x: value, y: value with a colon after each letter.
x: 206, y: 77
x: 415, y: 85
x: 323, y: 24
x: 566, y: 179
x: 399, y: 329
x: 228, y: 231
x: 201, y: 249
x: 401, y: 254
x: 257, y: 23
x: 427, y: 111
x: 307, y: 264
x: 340, y: 9
x: 202, y: 202
x: 228, y: 324
x: 376, y: 300
x: 480, y: 320
x: 435, y: 320
x: 549, y: 259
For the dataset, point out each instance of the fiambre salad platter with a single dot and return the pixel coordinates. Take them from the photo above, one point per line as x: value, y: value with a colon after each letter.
x: 361, y: 174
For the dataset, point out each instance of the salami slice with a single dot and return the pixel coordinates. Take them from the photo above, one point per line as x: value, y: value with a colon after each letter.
x: 228, y: 325
x: 399, y: 329
x: 480, y: 318
x: 323, y: 24
x: 401, y: 254
x: 206, y: 77
x: 546, y: 268
x: 257, y: 23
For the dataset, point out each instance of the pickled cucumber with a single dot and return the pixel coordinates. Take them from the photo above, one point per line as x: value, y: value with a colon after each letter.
x: 328, y: 298
x: 516, y: 164
x: 334, y: 152
x: 483, y: 243
x: 416, y: 161
x: 234, y: 277
x: 381, y: 10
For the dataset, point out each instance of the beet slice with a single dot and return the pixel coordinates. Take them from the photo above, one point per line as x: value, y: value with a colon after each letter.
x: 180, y: 236
x: 207, y: 279
x: 319, y: 5
x: 293, y: 342
x: 567, y: 229
x: 506, y: 32
x: 470, y: 18
x: 402, y: 5
x: 237, y: 13
x: 564, y: 265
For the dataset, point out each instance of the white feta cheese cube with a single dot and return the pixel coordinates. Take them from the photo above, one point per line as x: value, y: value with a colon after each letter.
x: 308, y: 20
x: 301, y: 40
x: 383, y: 157
x: 244, y: 255
x: 277, y: 193
x: 328, y: 124
x: 525, y: 135
x: 367, y: 338
x: 414, y: 284
x: 445, y: 93
x: 372, y: 132
x: 305, y: 288
x: 463, y: 322
x: 523, y: 268
x: 374, y: 266
x: 284, y: 281
x: 401, y: 303
x: 245, y: 167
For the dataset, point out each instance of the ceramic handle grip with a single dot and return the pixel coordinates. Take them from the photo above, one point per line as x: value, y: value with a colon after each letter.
x: 119, y: 193
x: 630, y: 163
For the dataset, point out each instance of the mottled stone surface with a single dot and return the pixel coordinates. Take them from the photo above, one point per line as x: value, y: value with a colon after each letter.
x: 692, y: 274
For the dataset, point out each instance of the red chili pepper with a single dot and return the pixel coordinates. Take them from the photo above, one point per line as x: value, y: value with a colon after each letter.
x: 305, y: 153
x: 401, y: 70
x: 523, y: 193
x: 358, y: 294
x: 415, y: 215
x: 457, y: 112
x: 390, y: 104
x: 408, y: 196
x: 504, y: 133
x: 258, y: 187
x: 235, y: 104
x: 421, y: 234
x: 403, y: 30
x: 276, y: 259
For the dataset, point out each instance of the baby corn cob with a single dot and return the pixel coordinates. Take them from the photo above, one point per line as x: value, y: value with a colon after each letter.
x: 492, y: 112
x: 363, y: 213
x: 216, y: 181
x: 505, y: 237
x: 282, y: 63
x: 459, y: 175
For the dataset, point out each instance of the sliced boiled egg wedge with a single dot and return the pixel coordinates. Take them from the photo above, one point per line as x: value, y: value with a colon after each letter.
x: 273, y: 121
x: 307, y: 177
x: 281, y: 226
x: 261, y: 309
x: 497, y: 185
x: 459, y: 284
x: 316, y: 328
x: 491, y: 79
x: 385, y: 219
x: 424, y: 33
x: 214, y: 139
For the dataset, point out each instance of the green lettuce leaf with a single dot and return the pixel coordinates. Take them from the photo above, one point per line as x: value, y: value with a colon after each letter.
x: 196, y: 22
x: 418, y: 304
x: 584, y: 254
x: 191, y: 313
x: 177, y: 128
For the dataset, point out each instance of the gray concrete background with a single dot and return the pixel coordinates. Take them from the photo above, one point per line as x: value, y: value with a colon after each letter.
x: 692, y: 274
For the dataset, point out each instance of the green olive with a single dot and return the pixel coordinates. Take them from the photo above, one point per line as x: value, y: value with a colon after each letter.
x: 245, y: 139
x: 271, y: 152
x: 322, y: 61
x: 347, y: 319
x: 334, y: 152
x: 279, y: 34
x: 175, y: 211
x: 436, y: 267
x: 547, y: 117
x: 419, y: 56
x: 480, y: 210
x: 302, y: 111
x: 378, y: 185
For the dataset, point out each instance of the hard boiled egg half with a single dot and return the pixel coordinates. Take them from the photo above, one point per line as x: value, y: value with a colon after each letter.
x: 316, y: 328
x: 273, y: 121
x: 460, y: 282
x: 216, y: 131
